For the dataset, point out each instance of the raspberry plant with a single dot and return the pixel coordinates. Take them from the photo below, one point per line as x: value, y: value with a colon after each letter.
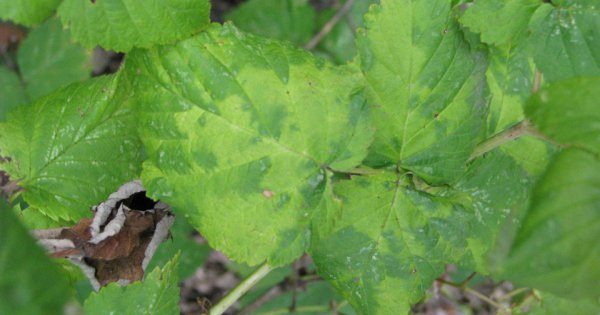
x: 446, y: 132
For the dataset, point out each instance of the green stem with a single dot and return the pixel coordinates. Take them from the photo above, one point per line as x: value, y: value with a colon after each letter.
x: 514, y: 132
x: 511, y: 294
x: 485, y: 298
x: 240, y: 289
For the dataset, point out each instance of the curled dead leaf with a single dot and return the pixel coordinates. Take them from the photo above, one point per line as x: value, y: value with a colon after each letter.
x: 117, y: 244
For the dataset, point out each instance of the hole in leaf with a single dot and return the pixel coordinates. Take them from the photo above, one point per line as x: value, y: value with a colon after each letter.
x: 139, y: 201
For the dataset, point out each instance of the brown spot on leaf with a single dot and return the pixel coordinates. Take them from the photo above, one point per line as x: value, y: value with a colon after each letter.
x: 10, y: 36
x: 268, y: 194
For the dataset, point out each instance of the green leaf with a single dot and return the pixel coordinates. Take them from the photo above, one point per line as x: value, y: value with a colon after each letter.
x: 564, y: 35
x: 27, y: 12
x: 34, y: 219
x: 568, y: 112
x: 193, y: 254
x: 389, y: 242
x: 244, y: 162
x: 497, y: 188
x: 566, y: 39
x: 73, y: 148
x: 510, y: 76
x: 427, y: 88
x: 29, y: 282
x: 556, y: 248
x: 49, y: 60
x: 157, y: 294
x: 340, y: 43
x: 123, y: 24
x: 500, y: 21
x: 292, y: 20
x: 11, y: 91
x: 550, y: 304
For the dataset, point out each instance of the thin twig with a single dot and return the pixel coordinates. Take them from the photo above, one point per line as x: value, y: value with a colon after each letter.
x: 329, y: 25
x: 450, y: 283
x: 485, y: 298
x: 473, y: 292
x: 511, y: 294
x: 466, y: 281
x: 350, y: 20
x: 294, y: 280
x: 240, y: 290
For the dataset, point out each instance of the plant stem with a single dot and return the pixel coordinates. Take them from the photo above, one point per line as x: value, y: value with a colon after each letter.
x: 463, y: 286
x: 485, y: 298
x: 240, y: 289
x: 511, y: 294
x: 329, y: 25
x: 514, y: 132
x: 466, y: 281
x: 364, y: 171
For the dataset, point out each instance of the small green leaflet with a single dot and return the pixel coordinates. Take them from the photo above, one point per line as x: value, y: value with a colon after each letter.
x: 292, y: 20
x: 563, y: 35
x: 157, y: 294
x: 48, y: 60
x: 27, y: 12
x: 556, y: 248
x: 33, y: 219
x: 569, y: 112
x: 388, y: 242
x: 123, y: 24
x: 71, y: 149
x: 240, y: 131
x: 29, y: 282
x: 427, y: 88
x: 12, y: 93
x: 500, y: 22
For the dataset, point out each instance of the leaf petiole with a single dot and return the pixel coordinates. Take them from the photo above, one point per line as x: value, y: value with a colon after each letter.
x: 241, y: 289
x: 507, y: 135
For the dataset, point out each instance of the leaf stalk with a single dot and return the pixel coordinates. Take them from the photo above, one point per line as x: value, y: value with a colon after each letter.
x: 507, y: 135
x: 241, y: 289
